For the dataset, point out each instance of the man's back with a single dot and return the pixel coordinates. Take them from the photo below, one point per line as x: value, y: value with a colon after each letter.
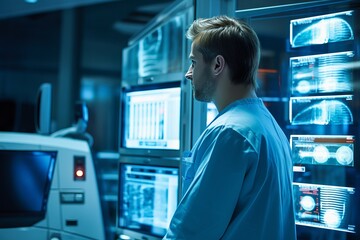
x: 242, y: 185
x: 265, y: 205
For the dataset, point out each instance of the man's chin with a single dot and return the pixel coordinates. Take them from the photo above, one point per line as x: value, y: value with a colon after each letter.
x: 202, y: 99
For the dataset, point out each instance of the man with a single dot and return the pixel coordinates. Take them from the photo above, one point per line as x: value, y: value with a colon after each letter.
x: 239, y: 182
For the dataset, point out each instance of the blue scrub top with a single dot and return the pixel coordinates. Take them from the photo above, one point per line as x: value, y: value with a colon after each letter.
x: 238, y: 179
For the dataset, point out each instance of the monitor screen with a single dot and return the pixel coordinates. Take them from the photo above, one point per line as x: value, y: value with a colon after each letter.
x: 24, y: 187
x: 329, y: 28
x: 158, y: 52
x: 322, y: 110
x: 324, y: 206
x: 151, y: 117
x: 323, y: 73
x: 147, y: 198
x: 334, y: 150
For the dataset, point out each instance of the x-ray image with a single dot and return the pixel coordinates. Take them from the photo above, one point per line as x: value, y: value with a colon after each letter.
x: 323, y: 29
x: 322, y: 150
x: 324, y: 73
x: 324, y: 206
x: 151, y: 58
x: 324, y: 110
x: 160, y: 51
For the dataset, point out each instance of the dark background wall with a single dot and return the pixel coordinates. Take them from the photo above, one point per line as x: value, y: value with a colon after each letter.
x: 76, y: 48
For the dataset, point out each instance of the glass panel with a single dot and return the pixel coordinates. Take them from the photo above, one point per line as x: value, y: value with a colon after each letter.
x: 309, y: 74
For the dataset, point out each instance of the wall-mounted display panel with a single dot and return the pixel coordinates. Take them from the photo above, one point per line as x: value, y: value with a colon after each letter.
x: 321, y: 110
x: 322, y: 150
x: 323, y: 29
x: 323, y: 73
x: 322, y: 206
x: 159, y: 52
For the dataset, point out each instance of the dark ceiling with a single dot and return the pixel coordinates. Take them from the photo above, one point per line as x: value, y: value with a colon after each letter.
x: 15, y: 8
x: 31, y: 32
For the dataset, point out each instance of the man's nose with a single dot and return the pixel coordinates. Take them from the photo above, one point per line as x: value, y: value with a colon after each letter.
x: 188, y: 74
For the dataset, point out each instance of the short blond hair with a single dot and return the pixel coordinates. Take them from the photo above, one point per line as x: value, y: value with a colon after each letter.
x: 235, y: 40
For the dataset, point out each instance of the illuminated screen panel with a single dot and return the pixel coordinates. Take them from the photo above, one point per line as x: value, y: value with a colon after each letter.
x: 325, y: 73
x: 322, y: 150
x: 152, y: 119
x: 324, y: 206
x: 151, y: 58
x: 321, y: 110
x: 160, y: 51
x: 322, y: 29
x: 147, y: 198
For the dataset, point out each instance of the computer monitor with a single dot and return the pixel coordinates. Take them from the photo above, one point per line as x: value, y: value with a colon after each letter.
x: 150, y: 117
x: 24, y: 186
x: 147, y: 198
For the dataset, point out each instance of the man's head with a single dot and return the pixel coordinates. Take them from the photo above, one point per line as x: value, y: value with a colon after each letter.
x: 226, y: 39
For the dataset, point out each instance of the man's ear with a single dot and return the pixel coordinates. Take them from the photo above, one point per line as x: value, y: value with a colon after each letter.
x: 219, y: 64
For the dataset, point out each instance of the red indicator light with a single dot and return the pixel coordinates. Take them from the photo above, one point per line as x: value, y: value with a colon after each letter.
x: 79, y: 173
x: 79, y: 168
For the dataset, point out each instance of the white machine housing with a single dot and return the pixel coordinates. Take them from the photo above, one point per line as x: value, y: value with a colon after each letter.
x: 74, y: 208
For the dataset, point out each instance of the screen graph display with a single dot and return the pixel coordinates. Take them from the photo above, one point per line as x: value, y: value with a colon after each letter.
x: 323, y: 73
x: 152, y: 119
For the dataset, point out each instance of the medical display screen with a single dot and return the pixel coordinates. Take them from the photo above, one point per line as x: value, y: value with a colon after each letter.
x: 25, y: 184
x: 321, y: 110
x: 324, y: 73
x: 322, y: 150
x: 147, y: 198
x: 324, y: 206
x: 151, y: 119
x: 160, y: 51
x: 329, y: 28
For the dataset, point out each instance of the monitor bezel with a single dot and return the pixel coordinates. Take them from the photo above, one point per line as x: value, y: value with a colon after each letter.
x: 143, y: 161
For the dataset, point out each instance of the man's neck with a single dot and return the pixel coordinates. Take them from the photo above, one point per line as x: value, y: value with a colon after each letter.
x: 231, y: 93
